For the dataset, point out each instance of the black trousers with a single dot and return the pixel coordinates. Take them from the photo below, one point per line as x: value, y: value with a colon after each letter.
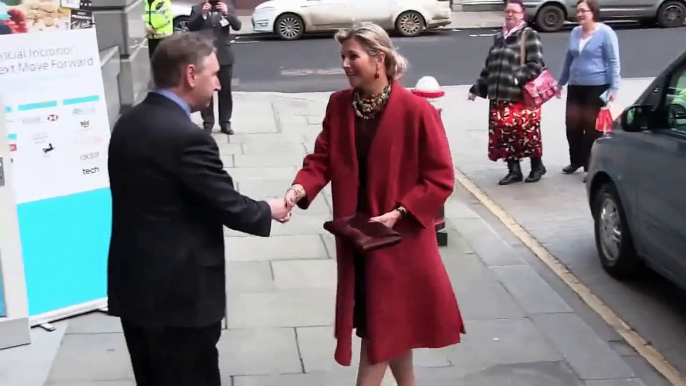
x: 152, y: 45
x: 583, y: 106
x: 225, y: 100
x: 174, y: 356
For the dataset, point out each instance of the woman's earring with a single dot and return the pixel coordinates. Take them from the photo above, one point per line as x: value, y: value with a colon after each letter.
x: 376, y: 75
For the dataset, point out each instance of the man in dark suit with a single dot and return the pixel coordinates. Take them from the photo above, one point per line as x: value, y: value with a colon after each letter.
x: 171, y: 198
x: 215, y: 19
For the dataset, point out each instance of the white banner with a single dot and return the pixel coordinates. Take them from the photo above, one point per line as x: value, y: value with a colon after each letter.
x: 56, y: 113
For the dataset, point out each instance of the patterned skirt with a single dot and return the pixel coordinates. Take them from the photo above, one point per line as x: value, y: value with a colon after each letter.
x: 514, y: 131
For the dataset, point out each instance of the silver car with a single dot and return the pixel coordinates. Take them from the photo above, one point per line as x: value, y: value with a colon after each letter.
x: 551, y: 15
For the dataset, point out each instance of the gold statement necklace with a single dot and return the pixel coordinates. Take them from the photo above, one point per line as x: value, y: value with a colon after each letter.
x: 367, y: 108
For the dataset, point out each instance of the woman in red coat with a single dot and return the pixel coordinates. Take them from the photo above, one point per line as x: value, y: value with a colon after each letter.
x: 386, y: 154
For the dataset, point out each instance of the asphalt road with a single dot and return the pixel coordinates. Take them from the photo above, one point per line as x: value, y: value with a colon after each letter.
x: 452, y: 57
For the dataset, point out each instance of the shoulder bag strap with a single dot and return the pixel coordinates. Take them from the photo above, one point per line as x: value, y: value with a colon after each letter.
x: 522, y: 48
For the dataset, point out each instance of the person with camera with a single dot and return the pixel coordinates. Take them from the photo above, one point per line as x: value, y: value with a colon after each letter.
x: 215, y: 19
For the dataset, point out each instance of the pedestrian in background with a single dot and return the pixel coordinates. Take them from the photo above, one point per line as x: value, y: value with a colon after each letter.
x: 166, y: 275
x: 514, y: 129
x: 591, y: 68
x: 215, y: 19
x: 386, y: 154
x: 159, y: 22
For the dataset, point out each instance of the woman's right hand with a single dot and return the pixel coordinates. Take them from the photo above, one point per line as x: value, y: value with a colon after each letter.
x: 294, y: 194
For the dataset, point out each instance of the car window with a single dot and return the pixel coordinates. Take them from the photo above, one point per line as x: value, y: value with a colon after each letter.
x: 675, y: 100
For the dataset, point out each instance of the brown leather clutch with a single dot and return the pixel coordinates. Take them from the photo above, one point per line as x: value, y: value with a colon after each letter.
x: 363, y: 235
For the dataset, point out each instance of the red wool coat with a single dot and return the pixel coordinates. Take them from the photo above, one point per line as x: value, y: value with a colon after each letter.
x: 411, y: 303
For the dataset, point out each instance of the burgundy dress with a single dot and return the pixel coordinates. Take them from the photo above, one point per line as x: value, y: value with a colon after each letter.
x: 365, y: 129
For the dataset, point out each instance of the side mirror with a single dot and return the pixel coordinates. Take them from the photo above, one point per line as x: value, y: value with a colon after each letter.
x: 636, y: 118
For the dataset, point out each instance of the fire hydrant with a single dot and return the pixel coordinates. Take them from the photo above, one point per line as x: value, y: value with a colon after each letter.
x: 428, y: 87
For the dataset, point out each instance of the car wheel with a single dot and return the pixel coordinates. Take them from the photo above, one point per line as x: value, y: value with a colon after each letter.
x: 550, y: 18
x: 410, y: 23
x: 289, y: 26
x: 612, y: 236
x: 181, y: 24
x: 671, y: 14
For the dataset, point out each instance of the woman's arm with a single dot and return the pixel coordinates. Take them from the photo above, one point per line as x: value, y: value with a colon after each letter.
x: 533, y: 58
x: 611, y: 53
x: 564, y: 74
x: 316, y: 170
x: 436, y: 174
x: 480, y: 88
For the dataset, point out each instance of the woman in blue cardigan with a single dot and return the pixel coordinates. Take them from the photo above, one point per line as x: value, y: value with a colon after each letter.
x: 591, y: 68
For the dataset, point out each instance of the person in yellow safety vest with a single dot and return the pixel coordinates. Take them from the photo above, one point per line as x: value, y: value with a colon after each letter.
x: 158, y: 22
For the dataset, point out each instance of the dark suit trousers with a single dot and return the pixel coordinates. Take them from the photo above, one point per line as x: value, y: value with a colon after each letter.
x: 174, y: 356
x: 583, y: 106
x: 152, y: 45
x: 225, y: 100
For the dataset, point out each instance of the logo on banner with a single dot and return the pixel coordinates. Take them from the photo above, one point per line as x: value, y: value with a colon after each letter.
x: 39, y: 138
x: 90, y: 156
x: 53, y: 117
x: 47, y: 150
x: 85, y: 125
x: 83, y: 111
x: 32, y: 120
x: 93, y: 170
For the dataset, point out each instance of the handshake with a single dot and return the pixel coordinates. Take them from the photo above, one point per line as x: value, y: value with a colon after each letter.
x: 282, y: 207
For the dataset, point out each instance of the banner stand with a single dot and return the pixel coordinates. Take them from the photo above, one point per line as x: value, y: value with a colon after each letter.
x: 14, y: 322
x: 58, y: 136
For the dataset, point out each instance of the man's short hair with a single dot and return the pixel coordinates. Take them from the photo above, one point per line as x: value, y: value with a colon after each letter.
x: 177, y: 52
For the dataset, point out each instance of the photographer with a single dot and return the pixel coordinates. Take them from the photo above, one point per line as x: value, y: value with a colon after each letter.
x: 215, y: 19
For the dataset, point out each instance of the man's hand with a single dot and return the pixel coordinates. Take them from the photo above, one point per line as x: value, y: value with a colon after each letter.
x: 294, y: 194
x: 221, y: 7
x: 280, y: 211
x: 149, y: 28
x: 471, y: 96
x: 389, y: 219
x: 206, y: 8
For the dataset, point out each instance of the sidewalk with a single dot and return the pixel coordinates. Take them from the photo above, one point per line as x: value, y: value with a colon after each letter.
x: 520, y: 331
x: 460, y: 20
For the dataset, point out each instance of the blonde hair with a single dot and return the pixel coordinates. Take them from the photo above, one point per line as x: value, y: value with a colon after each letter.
x: 375, y: 41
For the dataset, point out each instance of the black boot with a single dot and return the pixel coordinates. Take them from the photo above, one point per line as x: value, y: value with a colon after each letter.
x: 570, y: 169
x: 514, y: 175
x: 537, y: 170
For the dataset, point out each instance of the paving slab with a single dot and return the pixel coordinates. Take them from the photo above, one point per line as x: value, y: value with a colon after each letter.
x: 590, y: 357
x: 242, y: 352
x: 283, y: 308
x: 275, y: 248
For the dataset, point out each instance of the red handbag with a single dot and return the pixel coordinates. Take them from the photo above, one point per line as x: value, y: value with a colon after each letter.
x: 541, y: 89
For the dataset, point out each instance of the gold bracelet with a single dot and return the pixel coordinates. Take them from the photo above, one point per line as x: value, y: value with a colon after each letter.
x: 298, y: 194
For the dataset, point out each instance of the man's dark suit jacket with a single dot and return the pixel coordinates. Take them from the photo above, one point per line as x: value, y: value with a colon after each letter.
x: 170, y: 200
x: 212, y: 28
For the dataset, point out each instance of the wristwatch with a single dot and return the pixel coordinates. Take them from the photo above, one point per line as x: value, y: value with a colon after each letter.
x: 403, y: 212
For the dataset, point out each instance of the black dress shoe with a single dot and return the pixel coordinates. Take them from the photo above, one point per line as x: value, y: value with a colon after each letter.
x: 514, y: 174
x: 570, y: 169
x: 207, y: 127
x: 537, y: 170
x: 226, y: 129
